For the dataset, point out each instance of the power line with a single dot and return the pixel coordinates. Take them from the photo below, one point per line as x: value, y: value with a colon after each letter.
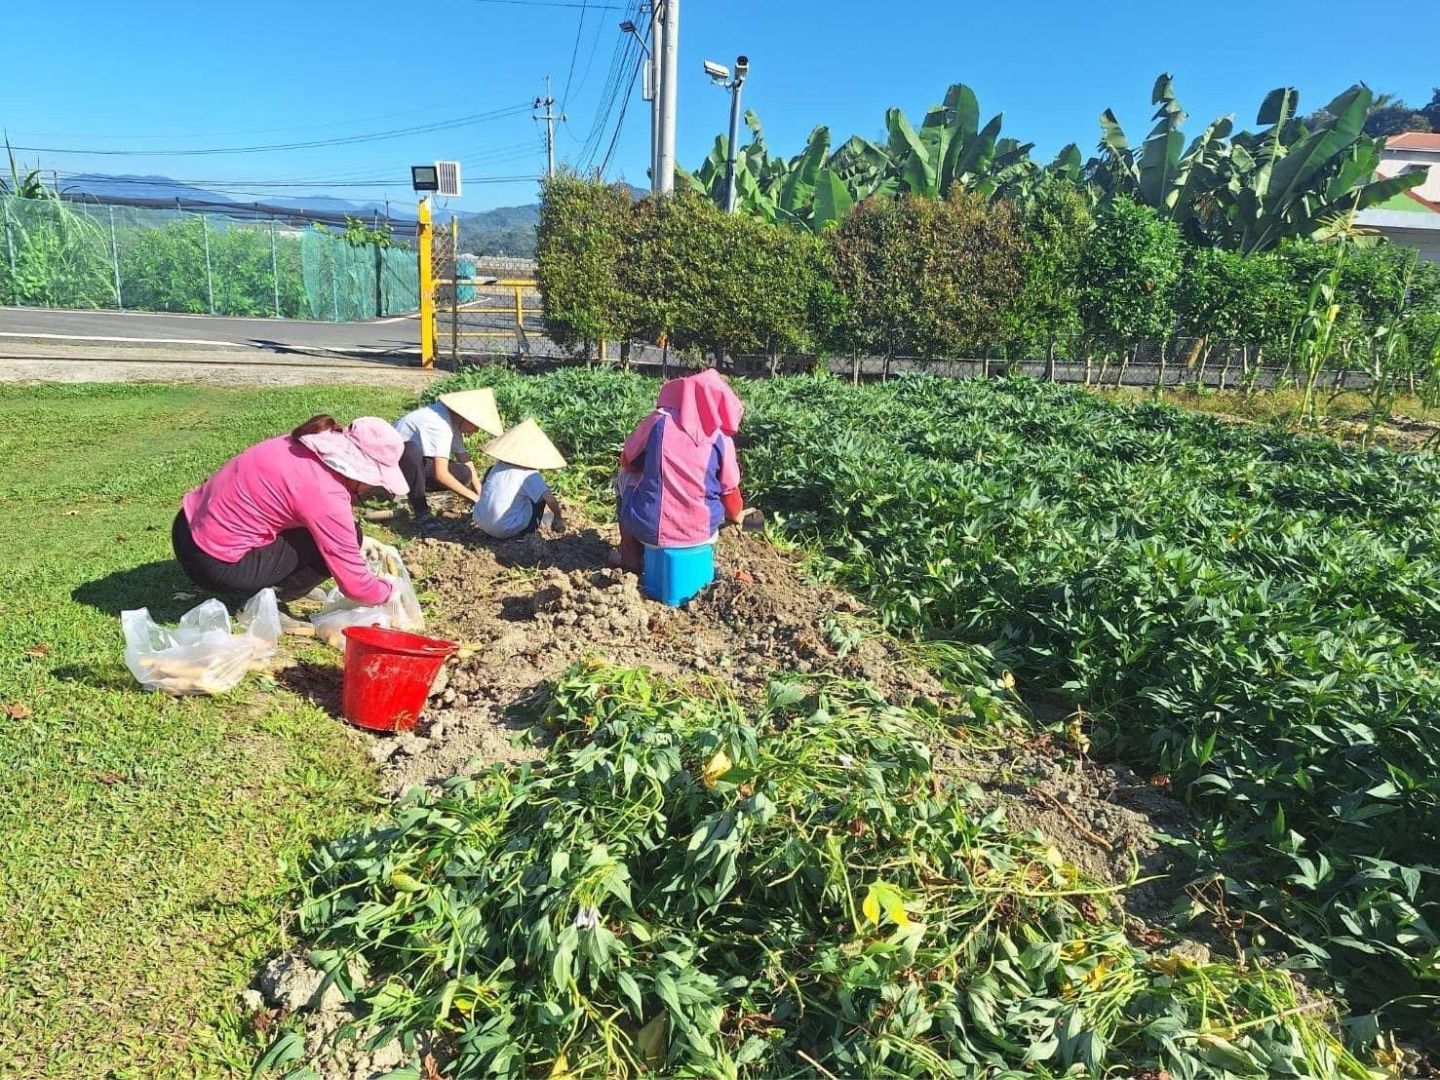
x: 221, y: 134
x: 574, y: 52
x: 625, y: 106
x: 462, y: 121
x: 617, y: 90
x: 553, y: 3
x: 620, y: 58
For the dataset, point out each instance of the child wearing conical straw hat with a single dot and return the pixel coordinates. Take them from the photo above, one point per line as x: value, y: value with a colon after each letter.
x: 435, y: 457
x: 514, y: 496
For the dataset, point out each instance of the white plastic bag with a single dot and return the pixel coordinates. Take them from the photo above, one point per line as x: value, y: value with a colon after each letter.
x: 202, y: 654
x: 400, y: 612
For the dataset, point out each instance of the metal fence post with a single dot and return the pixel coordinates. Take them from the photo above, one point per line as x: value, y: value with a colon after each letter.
x: 115, y: 260
x: 209, y: 279
x: 454, y: 291
x: 10, y: 247
x: 424, y: 241
x: 274, y: 268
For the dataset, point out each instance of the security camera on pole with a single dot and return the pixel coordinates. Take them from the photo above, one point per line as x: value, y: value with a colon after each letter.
x: 720, y: 76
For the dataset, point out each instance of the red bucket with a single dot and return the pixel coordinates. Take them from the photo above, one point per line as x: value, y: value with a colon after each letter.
x: 388, y: 675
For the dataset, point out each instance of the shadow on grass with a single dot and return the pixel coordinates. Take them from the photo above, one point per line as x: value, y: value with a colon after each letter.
x: 96, y: 676
x: 160, y: 586
x: 318, y: 684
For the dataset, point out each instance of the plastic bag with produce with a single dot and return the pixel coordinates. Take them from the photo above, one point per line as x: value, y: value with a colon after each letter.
x: 202, y: 654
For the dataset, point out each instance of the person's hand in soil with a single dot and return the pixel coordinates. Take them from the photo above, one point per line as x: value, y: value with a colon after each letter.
x: 557, y: 511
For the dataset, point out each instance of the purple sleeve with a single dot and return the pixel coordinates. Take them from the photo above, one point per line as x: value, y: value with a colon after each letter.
x: 634, y: 448
x: 333, y: 527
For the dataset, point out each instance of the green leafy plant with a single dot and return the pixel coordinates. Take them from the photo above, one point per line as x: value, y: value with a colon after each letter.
x: 680, y: 889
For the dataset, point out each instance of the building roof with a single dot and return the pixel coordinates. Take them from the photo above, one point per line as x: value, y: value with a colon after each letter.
x: 1433, y: 207
x: 1414, y: 140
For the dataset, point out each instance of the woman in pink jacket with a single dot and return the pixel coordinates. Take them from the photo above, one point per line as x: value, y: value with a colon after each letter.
x: 279, y: 514
x: 679, y: 479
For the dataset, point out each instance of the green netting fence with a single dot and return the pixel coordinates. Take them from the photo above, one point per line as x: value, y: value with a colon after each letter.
x: 81, y: 255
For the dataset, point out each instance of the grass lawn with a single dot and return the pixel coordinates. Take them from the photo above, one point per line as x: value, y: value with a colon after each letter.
x: 142, y: 839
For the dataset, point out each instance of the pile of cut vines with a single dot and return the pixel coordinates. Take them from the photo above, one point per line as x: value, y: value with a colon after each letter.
x: 683, y: 889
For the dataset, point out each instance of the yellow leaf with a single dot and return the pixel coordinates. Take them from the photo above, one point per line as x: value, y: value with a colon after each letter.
x: 404, y: 882
x: 718, y: 766
x: 561, y: 1069
x: 871, y: 906
x: 896, y: 910
x: 1097, y: 975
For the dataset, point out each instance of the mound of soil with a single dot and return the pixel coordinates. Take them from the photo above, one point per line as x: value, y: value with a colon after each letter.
x: 525, y: 609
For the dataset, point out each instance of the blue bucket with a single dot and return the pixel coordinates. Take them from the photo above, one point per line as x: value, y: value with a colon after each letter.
x: 675, y: 574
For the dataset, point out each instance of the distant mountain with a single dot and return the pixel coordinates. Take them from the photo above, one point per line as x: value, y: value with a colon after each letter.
x: 505, y: 230
x: 136, y: 187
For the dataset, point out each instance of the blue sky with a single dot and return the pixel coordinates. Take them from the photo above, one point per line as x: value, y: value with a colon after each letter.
x: 168, y: 75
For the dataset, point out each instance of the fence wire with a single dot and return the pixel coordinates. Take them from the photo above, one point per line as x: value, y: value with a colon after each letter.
x: 80, y: 255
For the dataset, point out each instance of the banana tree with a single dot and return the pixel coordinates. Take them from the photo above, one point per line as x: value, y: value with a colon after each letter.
x: 1248, y: 192
x: 1294, y: 179
x: 1163, y: 173
x: 951, y: 148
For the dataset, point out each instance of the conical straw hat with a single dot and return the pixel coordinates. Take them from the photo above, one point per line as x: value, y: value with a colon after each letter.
x: 527, y: 446
x: 477, y: 406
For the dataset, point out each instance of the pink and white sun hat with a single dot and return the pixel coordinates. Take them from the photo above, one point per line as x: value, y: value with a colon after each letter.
x: 368, y: 452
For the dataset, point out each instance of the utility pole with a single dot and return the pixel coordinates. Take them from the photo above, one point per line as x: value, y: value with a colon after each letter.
x: 669, y: 77
x: 548, y: 104
x: 652, y: 95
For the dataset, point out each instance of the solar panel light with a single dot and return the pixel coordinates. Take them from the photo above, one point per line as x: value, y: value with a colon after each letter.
x: 424, y: 178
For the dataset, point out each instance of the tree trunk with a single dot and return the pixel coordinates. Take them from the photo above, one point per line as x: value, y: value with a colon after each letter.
x: 1225, y: 369
x: 1125, y: 360
x: 1204, y: 362
x: 855, y: 367
x: 1089, y: 366
x: 1050, y: 361
x: 1104, y: 367
x: 625, y: 354
x: 1160, y: 371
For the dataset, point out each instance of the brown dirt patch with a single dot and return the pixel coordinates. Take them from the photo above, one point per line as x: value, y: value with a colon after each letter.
x: 525, y: 609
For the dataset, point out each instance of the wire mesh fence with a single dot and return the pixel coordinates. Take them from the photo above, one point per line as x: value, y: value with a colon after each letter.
x: 81, y: 255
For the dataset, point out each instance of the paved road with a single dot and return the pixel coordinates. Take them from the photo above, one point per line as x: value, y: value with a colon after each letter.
x: 381, y: 337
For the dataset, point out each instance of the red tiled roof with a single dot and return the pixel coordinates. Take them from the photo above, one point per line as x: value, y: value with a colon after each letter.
x: 1413, y: 140
x: 1427, y: 203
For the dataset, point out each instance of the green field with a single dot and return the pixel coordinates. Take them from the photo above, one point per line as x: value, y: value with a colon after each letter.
x: 142, y: 839
x: 1251, y: 613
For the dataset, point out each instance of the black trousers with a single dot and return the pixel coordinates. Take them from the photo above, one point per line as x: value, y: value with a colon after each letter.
x: 419, y: 473
x: 291, y: 564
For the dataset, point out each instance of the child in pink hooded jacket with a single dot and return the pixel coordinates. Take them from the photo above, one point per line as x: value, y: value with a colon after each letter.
x: 679, y: 479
